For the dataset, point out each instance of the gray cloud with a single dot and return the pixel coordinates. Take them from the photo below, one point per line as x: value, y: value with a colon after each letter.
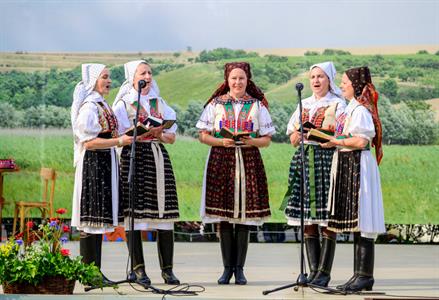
x: 172, y: 25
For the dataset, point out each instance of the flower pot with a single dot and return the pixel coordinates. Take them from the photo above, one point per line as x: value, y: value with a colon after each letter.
x: 49, y: 285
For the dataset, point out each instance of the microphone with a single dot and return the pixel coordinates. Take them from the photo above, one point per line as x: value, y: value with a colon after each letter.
x: 299, y: 86
x: 142, y: 84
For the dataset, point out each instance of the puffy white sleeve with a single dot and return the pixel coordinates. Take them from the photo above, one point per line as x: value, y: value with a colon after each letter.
x: 361, y: 124
x: 87, y: 125
x: 207, y: 118
x: 340, y: 108
x: 266, y: 126
x: 293, y: 120
x: 121, y: 114
x: 169, y: 114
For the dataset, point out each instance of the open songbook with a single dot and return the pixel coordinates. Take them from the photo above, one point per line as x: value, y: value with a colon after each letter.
x: 156, y: 122
x: 227, y: 133
x: 319, y: 135
x: 306, y: 126
x: 149, y: 123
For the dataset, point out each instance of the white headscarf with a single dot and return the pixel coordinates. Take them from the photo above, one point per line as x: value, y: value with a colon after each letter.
x: 90, y: 74
x: 329, y: 69
x: 130, y: 71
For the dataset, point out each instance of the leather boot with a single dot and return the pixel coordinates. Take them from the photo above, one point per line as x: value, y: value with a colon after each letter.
x: 312, y: 244
x: 105, y: 280
x: 242, y: 240
x: 90, y: 248
x: 323, y: 275
x: 227, y: 251
x: 137, y: 257
x: 356, y: 262
x: 364, y: 280
x: 165, y: 247
x: 87, y: 248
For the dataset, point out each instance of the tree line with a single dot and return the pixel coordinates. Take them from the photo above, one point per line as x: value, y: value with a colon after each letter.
x: 43, y: 99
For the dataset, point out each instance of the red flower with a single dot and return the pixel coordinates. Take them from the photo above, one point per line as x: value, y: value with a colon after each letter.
x: 65, y: 252
x: 19, y: 236
x: 30, y: 224
x: 61, y: 211
x: 65, y: 228
x: 54, y: 219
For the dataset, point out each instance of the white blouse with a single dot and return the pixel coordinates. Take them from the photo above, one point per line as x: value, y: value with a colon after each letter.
x: 87, y: 125
x: 207, y: 118
x: 359, y: 121
x: 122, y: 116
x: 313, y: 105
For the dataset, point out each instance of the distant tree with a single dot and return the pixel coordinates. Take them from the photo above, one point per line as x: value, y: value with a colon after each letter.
x: 176, y: 54
x: 10, y: 117
x: 335, y: 52
x: 422, y: 52
x: 390, y: 88
x: 311, y: 53
x: 189, y: 48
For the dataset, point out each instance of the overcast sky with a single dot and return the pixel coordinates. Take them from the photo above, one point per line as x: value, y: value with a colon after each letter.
x: 97, y: 25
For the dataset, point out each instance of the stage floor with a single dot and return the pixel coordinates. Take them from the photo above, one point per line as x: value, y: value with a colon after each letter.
x: 400, y: 270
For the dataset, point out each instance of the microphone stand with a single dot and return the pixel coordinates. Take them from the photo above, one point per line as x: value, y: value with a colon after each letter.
x: 302, y: 278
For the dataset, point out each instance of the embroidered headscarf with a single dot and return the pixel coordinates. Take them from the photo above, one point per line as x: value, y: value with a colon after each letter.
x: 251, y: 88
x: 130, y: 70
x: 329, y: 69
x: 367, y: 96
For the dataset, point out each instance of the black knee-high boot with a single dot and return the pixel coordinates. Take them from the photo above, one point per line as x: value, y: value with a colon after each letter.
x: 137, y: 257
x: 323, y: 275
x: 87, y: 249
x: 90, y: 248
x: 227, y: 251
x: 242, y: 240
x: 165, y: 247
x: 312, y: 244
x: 356, y: 262
x: 364, y: 280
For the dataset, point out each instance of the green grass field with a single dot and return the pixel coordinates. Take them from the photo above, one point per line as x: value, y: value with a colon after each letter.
x: 409, y: 174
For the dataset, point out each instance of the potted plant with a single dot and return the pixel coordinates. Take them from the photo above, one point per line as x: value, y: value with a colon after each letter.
x: 35, y: 262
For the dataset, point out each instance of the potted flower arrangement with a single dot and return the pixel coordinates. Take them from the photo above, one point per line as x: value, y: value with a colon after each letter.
x: 35, y: 261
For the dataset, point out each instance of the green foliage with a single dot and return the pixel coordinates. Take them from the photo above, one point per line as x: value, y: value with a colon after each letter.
x: 422, y: 52
x: 189, y: 118
x: 335, y: 52
x: 389, y: 88
x: 35, y: 255
x: 413, y: 125
x: 311, y: 53
x: 10, y: 117
x: 223, y: 53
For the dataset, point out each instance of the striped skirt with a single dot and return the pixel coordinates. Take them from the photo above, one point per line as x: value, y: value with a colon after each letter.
x: 318, y: 169
x: 154, y: 188
x: 345, y: 190
x: 96, y: 196
x: 236, y: 184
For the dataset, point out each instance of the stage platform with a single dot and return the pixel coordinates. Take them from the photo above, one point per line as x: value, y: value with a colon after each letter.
x: 401, y: 271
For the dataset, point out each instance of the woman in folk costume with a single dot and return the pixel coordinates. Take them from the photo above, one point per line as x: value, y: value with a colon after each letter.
x: 235, y: 190
x: 321, y: 109
x: 155, y: 193
x: 95, y: 195
x: 355, y: 199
